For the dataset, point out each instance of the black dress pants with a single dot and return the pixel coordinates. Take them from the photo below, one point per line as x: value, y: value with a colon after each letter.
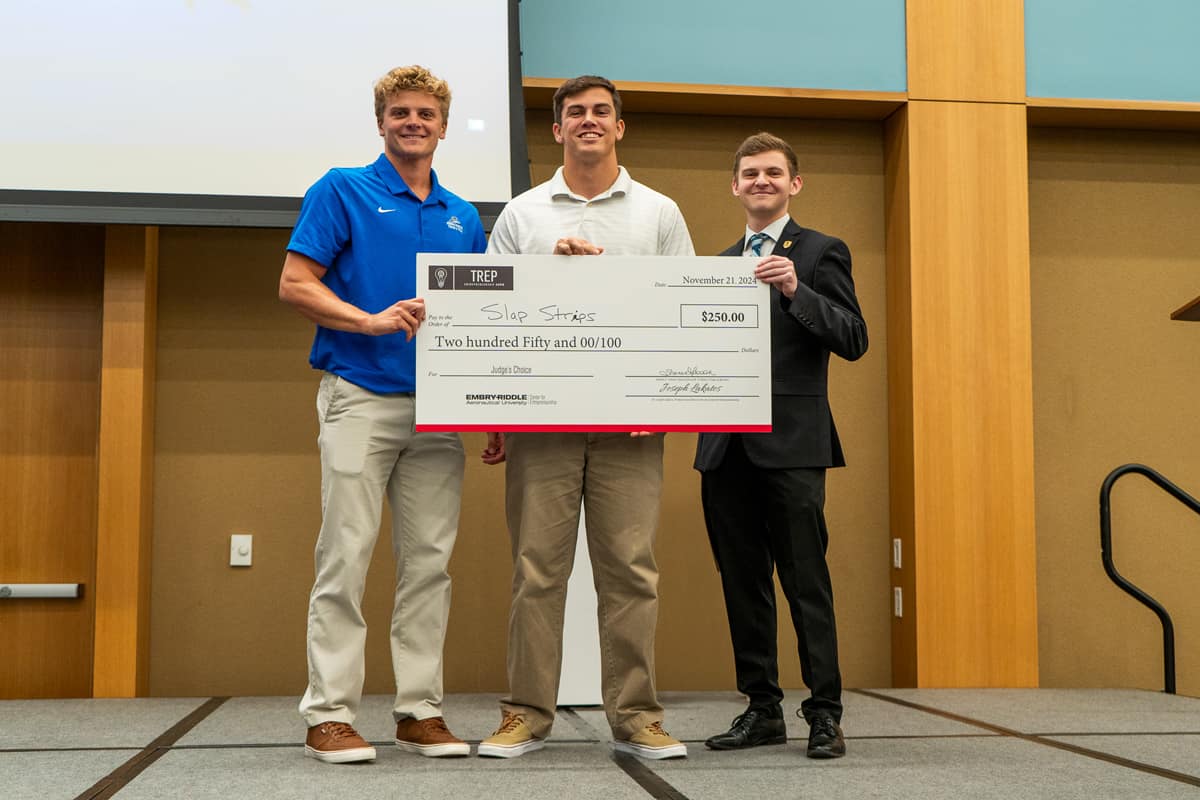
x: 759, y: 521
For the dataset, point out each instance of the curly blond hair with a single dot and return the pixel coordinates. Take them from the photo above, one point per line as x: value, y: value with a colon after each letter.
x: 411, y: 78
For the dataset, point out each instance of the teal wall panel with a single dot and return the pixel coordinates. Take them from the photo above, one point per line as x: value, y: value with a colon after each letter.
x: 1113, y: 49
x: 812, y: 44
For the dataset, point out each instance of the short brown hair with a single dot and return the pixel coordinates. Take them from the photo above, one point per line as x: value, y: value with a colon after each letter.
x: 584, y: 82
x: 763, y: 142
x: 413, y: 78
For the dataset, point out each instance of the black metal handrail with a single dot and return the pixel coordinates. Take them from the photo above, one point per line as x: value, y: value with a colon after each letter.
x: 1106, y: 557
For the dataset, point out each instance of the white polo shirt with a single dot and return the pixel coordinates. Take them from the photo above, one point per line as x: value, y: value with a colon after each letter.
x: 629, y: 218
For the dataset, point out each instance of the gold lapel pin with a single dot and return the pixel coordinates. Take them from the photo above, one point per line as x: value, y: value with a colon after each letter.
x: 788, y: 243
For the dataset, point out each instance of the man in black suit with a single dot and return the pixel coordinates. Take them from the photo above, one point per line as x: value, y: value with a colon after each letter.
x: 764, y: 493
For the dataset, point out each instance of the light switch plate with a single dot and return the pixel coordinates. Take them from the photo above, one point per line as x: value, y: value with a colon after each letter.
x: 241, y: 549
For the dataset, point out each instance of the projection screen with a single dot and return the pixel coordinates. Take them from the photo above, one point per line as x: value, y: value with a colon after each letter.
x: 222, y: 112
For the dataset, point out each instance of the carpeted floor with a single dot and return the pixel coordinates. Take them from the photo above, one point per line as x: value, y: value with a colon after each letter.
x: 902, y: 743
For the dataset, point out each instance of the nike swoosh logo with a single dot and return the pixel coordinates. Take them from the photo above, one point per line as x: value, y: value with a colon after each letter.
x: 383, y: 210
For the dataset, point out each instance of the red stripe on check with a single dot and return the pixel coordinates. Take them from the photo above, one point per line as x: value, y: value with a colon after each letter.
x: 598, y: 428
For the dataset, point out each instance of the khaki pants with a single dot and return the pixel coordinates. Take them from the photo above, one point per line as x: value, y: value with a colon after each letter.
x: 620, y: 480
x: 369, y: 448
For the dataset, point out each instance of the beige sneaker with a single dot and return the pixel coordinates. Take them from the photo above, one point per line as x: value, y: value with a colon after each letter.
x: 652, y: 742
x: 513, y: 738
x: 429, y: 737
x: 337, y: 743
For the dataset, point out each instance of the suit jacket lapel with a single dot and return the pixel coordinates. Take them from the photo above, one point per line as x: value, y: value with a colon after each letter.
x: 788, y: 239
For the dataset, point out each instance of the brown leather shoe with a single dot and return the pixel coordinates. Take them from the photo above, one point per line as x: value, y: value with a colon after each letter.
x: 429, y: 737
x: 337, y: 743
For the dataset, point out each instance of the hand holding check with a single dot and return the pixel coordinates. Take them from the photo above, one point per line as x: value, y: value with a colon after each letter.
x: 569, y: 246
x: 778, y: 271
x: 404, y: 315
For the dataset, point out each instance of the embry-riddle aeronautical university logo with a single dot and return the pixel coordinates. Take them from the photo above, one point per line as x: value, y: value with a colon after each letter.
x: 454, y: 224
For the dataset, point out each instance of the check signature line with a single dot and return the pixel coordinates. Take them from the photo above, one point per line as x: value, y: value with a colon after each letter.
x: 689, y: 377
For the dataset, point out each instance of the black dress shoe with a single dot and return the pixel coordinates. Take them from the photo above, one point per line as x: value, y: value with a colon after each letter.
x: 750, y: 729
x: 825, y: 738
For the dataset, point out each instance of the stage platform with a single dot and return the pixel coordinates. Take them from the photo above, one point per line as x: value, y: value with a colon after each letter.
x: 902, y: 743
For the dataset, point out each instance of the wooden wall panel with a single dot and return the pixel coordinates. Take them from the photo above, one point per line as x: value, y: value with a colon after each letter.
x: 126, y: 441
x: 50, y: 301
x: 1115, y: 249
x: 964, y: 50
x: 900, y: 395
x: 968, y: 274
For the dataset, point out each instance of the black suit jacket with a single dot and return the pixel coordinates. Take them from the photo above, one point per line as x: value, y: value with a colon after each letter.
x: 821, y: 318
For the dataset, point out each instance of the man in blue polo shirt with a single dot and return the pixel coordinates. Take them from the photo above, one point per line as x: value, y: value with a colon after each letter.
x: 351, y: 269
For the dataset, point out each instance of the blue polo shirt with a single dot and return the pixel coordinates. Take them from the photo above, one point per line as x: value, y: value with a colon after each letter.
x: 366, y: 227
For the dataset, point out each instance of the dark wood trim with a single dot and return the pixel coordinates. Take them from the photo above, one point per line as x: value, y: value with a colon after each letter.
x: 738, y: 101
x: 1060, y: 112
x: 1189, y: 312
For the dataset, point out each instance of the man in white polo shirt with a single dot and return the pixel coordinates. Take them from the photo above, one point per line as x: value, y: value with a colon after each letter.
x: 590, y: 206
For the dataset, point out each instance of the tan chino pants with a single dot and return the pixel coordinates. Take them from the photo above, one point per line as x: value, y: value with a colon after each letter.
x: 619, y: 479
x: 368, y: 450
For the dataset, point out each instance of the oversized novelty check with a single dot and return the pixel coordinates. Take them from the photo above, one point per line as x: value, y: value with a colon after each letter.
x: 592, y: 343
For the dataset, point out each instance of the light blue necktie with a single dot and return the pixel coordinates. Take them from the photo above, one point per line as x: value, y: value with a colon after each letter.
x: 756, y: 242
